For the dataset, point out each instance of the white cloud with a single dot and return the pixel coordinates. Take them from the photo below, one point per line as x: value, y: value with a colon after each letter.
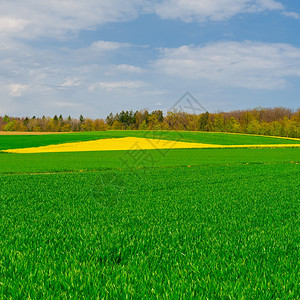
x: 71, y: 83
x: 247, y: 64
x: 267, y: 4
x: 291, y: 14
x: 62, y: 18
x: 66, y: 104
x: 97, y: 50
x: 8, y: 24
x: 59, y: 17
x: 17, y: 90
x: 107, y: 45
x: 124, y: 68
x: 156, y: 92
x: 201, y: 10
x: 116, y: 85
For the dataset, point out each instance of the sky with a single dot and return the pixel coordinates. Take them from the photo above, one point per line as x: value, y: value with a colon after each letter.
x: 94, y: 57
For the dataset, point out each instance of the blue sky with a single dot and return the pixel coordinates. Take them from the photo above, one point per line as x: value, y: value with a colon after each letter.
x: 94, y: 57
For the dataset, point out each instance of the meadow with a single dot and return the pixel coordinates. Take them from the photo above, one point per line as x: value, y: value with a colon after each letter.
x: 182, y: 223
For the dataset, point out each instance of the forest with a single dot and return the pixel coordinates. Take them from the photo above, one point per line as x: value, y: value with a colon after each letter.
x: 278, y: 121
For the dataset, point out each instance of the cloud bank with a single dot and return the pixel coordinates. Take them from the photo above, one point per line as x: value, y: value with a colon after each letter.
x: 60, y: 19
x: 247, y: 64
x: 216, y: 10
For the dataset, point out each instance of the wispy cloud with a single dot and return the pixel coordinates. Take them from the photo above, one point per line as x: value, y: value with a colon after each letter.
x: 117, y: 85
x: 127, y: 69
x: 31, y: 19
x: 107, y: 45
x: 10, y: 25
x: 17, y: 90
x: 248, y: 64
x: 291, y: 14
x: 66, y: 104
x: 203, y: 10
x: 71, y: 82
x: 58, y: 18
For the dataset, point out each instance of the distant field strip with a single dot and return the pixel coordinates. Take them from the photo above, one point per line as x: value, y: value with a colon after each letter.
x: 133, y: 143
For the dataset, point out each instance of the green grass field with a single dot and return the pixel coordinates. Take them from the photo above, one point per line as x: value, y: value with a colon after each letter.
x: 175, y: 224
x: 107, y: 160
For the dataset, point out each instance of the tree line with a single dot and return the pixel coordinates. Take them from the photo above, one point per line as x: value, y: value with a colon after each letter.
x: 278, y: 121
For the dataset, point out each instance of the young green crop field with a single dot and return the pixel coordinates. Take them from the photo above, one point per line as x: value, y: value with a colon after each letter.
x: 154, y: 224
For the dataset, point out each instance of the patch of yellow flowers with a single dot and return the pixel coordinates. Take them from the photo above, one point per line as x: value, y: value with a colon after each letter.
x: 132, y: 143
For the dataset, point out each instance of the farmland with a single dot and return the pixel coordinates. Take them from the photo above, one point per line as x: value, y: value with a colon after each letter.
x: 203, y: 223
x: 24, y: 141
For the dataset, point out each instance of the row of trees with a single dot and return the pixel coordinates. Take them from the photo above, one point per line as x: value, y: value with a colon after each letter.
x: 55, y: 124
x: 277, y: 121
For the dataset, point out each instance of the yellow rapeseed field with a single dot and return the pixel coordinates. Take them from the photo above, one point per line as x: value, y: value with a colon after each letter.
x: 132, y: 143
